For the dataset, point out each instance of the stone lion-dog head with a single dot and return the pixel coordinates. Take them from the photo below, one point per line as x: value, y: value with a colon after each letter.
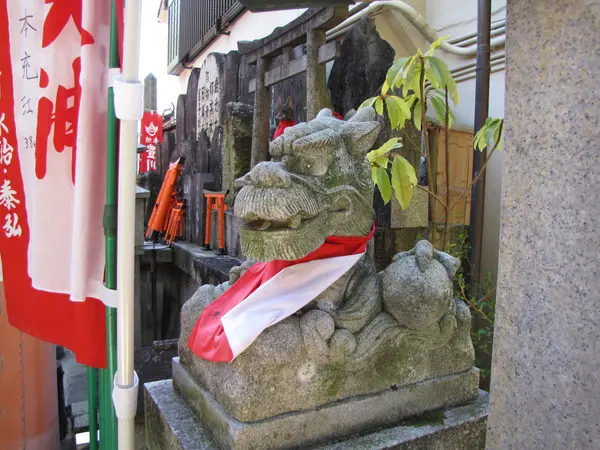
x: 317, y: 185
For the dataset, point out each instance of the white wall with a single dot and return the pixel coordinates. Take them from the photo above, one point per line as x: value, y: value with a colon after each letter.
x: 247, y: 27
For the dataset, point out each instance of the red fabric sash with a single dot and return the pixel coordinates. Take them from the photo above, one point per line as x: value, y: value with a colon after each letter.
x: 208, y: 339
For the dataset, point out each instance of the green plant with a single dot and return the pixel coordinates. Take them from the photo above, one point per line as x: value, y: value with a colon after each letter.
x: 410, y: 76
x: 483, y: 309
x: 424, y: 80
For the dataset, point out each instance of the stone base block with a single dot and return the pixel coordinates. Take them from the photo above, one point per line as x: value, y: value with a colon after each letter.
x: 331, y: 421
x: 171, y: 424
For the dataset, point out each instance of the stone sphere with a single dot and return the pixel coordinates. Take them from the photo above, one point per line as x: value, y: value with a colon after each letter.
x: 417, y: 289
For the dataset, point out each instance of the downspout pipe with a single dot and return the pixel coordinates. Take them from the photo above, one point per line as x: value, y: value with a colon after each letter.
x: 482, y: 100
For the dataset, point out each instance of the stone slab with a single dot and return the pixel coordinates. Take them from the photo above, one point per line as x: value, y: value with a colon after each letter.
x: 415, y: 216
x: 204, y: 266
x: 546, y: 356
x: 331, y: 421
x: 171, y: 425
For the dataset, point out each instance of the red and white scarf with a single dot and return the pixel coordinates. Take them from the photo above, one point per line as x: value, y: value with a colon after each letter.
x: 269, y: 292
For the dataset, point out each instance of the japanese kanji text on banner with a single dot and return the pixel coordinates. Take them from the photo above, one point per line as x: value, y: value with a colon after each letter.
x: 53, y: 111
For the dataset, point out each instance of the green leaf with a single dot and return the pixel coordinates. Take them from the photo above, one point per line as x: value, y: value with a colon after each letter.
x: 385, y: 88
x: 398, y: 111
x: 498, y: 138
x: 367, y: 102
x: 401, y: 77
x: 403, y: 106
x: 439, y: 106
x: 383, y: 183
x: 393, y: 110
x: 489, y: 135
x: 393, y: 71
x: 404, y: 179
x: 452, y: 90
x: 410, y: 101
x: 382, y: 161
x: 413, y: 81
x: 452, y: 116
x: 435, y: 45
x: 440, y: 73
x: 379, y: 106
x: 417, y: 114
x: 479, y: 141
x: 390, y: 145
x: 374, y: 174
x: 429, y: 76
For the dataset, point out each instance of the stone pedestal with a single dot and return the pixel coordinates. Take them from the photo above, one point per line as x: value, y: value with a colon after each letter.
x: 546, y: 361
x: 331, y: 421
x: 171, y: 424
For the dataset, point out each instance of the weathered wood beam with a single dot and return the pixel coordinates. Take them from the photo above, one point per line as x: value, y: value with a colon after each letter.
x: 316, y: 77
x: 294, y: 33
x: 262, y: 109
x: 293, y: 67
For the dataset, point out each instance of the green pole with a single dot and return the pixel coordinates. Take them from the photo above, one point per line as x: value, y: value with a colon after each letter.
x: 93, y: 406
x: 108, y: 420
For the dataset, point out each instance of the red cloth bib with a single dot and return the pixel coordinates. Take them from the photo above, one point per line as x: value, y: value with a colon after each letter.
x: 208, y: 339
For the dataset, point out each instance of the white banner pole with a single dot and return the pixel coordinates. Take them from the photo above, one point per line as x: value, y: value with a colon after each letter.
x: 129, y: 109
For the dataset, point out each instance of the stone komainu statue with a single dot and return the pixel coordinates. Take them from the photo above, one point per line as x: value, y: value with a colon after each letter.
x: 365, y: 334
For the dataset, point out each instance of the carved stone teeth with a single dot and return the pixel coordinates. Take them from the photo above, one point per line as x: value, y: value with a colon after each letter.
x: 263, y: 226
x: 295, y: 222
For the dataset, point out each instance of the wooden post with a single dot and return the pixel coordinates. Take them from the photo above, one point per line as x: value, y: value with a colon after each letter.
x: 262, y: 109
x: 316, y: 76
x: 28, y: 397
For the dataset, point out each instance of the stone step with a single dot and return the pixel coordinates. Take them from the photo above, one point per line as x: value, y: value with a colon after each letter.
x: 171, y: 425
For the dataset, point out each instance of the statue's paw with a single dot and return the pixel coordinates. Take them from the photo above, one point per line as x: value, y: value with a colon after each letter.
x: 447, y: 327
x: 237, y: 271
x: 343, y: 344
x: 192, y: 309
x: 361, y: 306
x: 317, y: 328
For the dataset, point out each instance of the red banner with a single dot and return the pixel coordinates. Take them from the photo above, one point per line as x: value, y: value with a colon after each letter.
x: 49, y: 316
x: 152, y: 130
x: 151, y: 134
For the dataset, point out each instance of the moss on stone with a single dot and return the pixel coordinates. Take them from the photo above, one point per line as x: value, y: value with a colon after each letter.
x: 433, y: 418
